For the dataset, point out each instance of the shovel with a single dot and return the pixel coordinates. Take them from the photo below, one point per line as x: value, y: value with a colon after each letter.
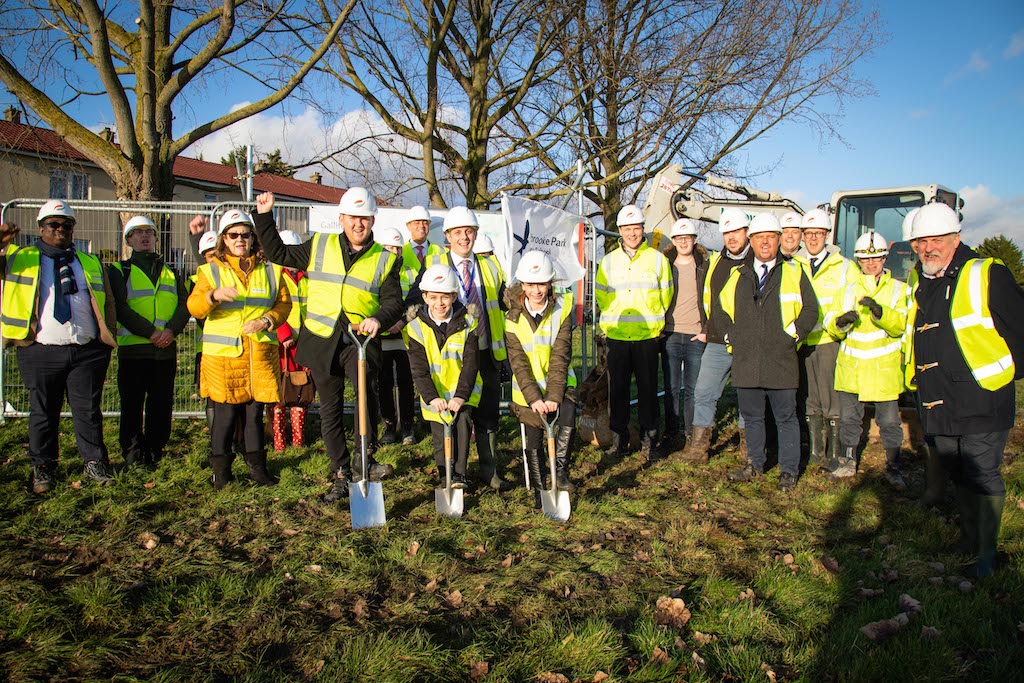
x: 449, y: 501
x: 366, y: 498
x: 555, y: 503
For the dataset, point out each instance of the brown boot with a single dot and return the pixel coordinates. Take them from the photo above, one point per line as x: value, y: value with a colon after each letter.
x: 698, y: 446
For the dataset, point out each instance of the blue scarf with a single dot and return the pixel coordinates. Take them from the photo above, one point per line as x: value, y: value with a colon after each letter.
x: 63, y: 279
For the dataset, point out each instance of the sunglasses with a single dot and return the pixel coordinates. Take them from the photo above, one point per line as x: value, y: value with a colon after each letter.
x: 238, y: 235
x: 66, y: 227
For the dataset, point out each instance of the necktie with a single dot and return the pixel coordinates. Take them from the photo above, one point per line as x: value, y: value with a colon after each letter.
x: 469, y: 290
x: 419, y: 252
x: 443, y: 328
x: 764, y: 276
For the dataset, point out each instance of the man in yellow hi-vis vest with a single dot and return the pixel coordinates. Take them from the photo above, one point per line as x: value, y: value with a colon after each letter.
x: 352, y: 279
x: 967, y: 349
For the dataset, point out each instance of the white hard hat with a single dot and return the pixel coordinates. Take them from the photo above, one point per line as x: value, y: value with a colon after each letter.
x: 55, y: 207
x: 870, y: 245
x: 138, y: 222
x: 535, y: 267
x: 460, y: 217
x: 765, y: 222
x: 234, y: 217
x: 933, y: 220
x: 389, y: 237
x: 816, y: 219
x: 357, y: 202
x: 483, y: 244
x: 683, y: 226
x: 439, y: 278
x: 290, y: 238
x: 417, y: 213
x: 732, y: 219
x: 207, y: 242
x: 790, y: 219
x: 908, y: 224
x: 630, y: 214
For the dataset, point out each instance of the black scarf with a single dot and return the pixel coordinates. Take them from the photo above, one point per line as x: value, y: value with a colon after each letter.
x: 64, y: 276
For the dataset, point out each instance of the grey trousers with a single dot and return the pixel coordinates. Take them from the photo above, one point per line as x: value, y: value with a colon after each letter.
x: 887, y: 416
x: 819, y: 366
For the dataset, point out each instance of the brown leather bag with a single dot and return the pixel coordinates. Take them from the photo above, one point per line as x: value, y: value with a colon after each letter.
x: 297, y: 389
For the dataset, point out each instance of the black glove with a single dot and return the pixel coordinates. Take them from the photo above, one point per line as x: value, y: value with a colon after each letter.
x: 873, y: 306
x: 847, y: 319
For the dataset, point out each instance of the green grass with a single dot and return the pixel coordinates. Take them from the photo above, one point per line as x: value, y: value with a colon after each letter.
x: 270, y: 584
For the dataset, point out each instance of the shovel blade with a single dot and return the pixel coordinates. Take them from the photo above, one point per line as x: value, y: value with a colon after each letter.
x: 449, y: 502
x: 556, y: 504
x: 366, y: 502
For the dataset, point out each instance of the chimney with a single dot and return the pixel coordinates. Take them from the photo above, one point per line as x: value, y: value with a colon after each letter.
x: 316, y: 178
x: 107, y: 135
x: 11, y: 114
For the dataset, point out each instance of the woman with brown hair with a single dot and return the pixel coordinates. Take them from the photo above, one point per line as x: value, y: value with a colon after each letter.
x: 243, y: 298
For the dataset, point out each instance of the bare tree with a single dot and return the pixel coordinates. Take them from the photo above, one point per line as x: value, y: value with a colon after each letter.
x: 152, y: 66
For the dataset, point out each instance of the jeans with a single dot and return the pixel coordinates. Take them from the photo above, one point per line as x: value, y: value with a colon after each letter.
x: 783, y: 403
x: 887, y: 416
x: 715, y: 368
x: 680, y: 361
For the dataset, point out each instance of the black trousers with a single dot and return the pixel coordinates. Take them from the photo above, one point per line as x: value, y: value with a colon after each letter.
x: 626, y: 359
x: 536, y: 438
x: 225, y: 418
x: 395, y: 371
x: 148, y: 384
x: 783, y: 403
x: 485, y: 416
x: 331, y: 387
x: 973, y: 460
x: 50, y: 373
x: 461, y: 428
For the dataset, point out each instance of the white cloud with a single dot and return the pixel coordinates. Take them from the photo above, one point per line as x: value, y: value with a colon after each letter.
x: 975, y: 65
x: 986, y: 215
x: 1016, y: 46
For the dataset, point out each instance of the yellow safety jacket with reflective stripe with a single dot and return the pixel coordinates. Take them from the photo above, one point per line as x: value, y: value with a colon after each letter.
x: 333, y: 290
x: 833, y: 274
x: 299, y: 292
x: 492, y: 278
x: 537, y: 345
x: 411, y: 263
x: 155, y: 305
x: 21, y: 289
x: 791, y: 301
x: 986, y: 352
x: 909, y: 370
x: 222, y: 332
x: 713, y: 260
x: 871, y: 353
x: 445, y: 362
x: 633, y: 293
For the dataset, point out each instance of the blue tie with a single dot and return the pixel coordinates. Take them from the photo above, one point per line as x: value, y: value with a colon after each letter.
x: 764, y: 276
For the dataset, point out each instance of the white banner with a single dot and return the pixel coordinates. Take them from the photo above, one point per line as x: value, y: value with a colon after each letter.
x: 538, y: 227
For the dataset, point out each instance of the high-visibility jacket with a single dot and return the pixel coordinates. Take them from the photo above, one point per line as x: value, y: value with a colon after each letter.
x: 333, y: 290
x: 537, y: 345
x: 445, y: 362
x: 791, y: 301
x: 833, y: 274
x: 155, y: 304
x: 21, y: 289
x: 713, y: 259
x: 871, y: 353
x: 299, y: 292
x: 909, y: 370
x: 633, y: 293
x: 493, y: 280
x: 222, y: 333
x: 411, y: 263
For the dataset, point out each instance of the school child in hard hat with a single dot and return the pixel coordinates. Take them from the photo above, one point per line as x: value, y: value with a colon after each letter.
x: 291, y: 410
x: 484, y: 247
x: 395, y: 373
x: 868, y: 316
x: 538, y: 334
x: 441, y: 336
x: 152, y: 311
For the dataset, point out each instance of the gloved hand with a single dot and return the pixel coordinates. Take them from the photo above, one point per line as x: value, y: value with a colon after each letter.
x: 847, y: 319
x: 873, y: 306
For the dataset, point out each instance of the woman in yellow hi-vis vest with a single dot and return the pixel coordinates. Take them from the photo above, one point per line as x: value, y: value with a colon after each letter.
x: 538, y: 335
x: 243, y: 298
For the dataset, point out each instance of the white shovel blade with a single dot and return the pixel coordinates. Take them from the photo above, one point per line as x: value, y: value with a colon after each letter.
x: 556, y: 505
x: 366, y: 502
x: 449, y: 503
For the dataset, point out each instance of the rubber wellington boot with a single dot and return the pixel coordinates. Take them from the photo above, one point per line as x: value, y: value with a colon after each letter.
x: 487, y: 450
x: 967, y: 504
x: 257, y: 463
x: 816, y: 439
x: 989, y: 518
x: 533, y: 467
x: 833, y: 447
x: 563, y: 441
x: 697, y: 446
x: 936, y: 478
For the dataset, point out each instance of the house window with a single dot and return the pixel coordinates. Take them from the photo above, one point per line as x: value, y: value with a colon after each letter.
x: 68, y: 185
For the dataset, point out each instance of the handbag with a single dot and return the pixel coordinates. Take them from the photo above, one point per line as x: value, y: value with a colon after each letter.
x: 297, y: 389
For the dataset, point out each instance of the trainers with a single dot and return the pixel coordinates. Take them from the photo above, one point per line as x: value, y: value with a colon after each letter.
x: 339, y: 489
x: 745, y: 473
x: 845, y: 469
x: 459, y: 481
x: 42, y: 479
x: 787, y: 482
x: 98, y: 472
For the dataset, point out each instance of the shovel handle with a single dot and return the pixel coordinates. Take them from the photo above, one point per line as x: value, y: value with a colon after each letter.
x: 361, y: 396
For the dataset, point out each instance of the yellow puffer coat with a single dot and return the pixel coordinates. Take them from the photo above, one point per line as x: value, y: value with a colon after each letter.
x: 256, y: 374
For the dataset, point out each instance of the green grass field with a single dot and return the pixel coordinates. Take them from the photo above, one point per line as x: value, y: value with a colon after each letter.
x: 270, y: 584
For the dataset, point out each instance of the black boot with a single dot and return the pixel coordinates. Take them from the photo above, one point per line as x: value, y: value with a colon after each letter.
x: 221, y: 466
x: 988, y: 515
x: 487, y: 450
x: 967, y: 503
x: 936, y: 478
x: 833, y: 449
x: 563, y: 442
x: 339, y: 488
x: 257, y: 463
x: 893, y: 473
x: 816, y: 439
x: 533, y: 467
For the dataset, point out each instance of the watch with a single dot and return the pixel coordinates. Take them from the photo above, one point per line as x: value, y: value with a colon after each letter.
x: 268, y: 321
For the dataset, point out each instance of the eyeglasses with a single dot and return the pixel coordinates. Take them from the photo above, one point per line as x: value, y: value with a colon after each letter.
x: 238, y: 235
x: 66, y: 227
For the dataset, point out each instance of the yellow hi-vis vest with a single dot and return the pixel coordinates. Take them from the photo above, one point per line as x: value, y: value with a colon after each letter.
x: 870, y: 355
x: 492, y: 278
x: 222, y: 332
x: 790, y: 299
x: 411, y: 263
x: 832, y: 276
x: 157, y: 305
x: 985, y: 351
x: 713, y: 260
x: 909, y: 370
x: 445, y: 362
x: 633, y: 293
x: 537, y: 345
x: 299, y: 292
x: 333, y: 290
x: 21, y: 289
